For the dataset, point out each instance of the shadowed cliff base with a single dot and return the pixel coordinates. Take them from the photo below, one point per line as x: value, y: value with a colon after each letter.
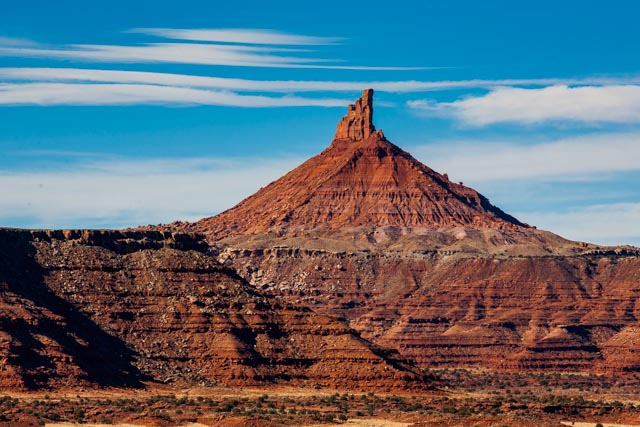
x: 47, y: 340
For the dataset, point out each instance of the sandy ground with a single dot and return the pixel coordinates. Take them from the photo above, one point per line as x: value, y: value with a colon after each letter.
x: 582, y: 424
x: 190, y: 392
x: 363, y: 423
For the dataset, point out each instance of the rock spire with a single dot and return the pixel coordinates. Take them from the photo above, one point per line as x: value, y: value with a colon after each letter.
x: 358, y: 123
x: 360, y: 180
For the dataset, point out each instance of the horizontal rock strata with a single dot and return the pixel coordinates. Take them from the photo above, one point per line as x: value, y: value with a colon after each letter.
x: 84, y: 308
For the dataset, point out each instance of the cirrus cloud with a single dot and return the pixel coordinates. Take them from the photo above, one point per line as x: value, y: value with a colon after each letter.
x: 238, y: 35
x: 236, y: 48
x: 137, y: 94
x: 186, y: 80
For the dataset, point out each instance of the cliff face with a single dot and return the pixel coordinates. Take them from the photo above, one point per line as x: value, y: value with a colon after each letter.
x: 44, y: 339
x: 534, y: 312
x: 429, y: 267
x: 128, y: 309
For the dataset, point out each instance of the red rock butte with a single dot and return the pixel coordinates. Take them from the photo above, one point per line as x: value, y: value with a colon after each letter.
x: 429, y: 267
x: 360, y: 180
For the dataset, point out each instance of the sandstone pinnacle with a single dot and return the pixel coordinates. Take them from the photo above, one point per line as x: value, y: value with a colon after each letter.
x: 357, y: 124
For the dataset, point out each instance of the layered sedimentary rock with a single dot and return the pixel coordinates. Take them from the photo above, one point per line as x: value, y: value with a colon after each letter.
x: 44, y: 338
x: 128, y: 309
x: 505, y: 312
x: 427, y: 266
x: 358, y: 123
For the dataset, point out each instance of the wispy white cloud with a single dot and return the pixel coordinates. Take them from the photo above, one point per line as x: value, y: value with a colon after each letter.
x: 585, y: 157
x: 123, y: 193
x: 130, y: 94
x: 238, y: 35
x: 270, y: 55
x: 183, y: 80
x: 169, y: 79
x: 607, y: 224
x: 186, y: 53
x: 559, y: 103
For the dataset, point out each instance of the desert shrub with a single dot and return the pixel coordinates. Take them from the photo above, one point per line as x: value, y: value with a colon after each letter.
x: 53, y: 416
x: 465, y: 411
x: 228, y: 405
x: 78, y: 413
x: 329, y: 417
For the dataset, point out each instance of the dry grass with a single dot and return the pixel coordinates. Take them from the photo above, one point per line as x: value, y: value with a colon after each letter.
x: 583, y: 424
x: 349, y: 423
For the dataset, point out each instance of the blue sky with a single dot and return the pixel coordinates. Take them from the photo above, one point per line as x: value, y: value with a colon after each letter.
x: 117, y: 113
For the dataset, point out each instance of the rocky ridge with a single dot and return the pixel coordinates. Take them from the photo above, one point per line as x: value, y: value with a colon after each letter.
x: 439, y: 309
x: 134, y: 308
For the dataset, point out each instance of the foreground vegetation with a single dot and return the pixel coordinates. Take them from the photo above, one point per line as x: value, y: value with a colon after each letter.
x: 534, y: 399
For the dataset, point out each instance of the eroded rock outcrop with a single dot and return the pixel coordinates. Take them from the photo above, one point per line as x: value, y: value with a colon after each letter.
x: 46, y: 340
x: 527, y: 312
x: 76, y: 310
x: 358, y: 123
